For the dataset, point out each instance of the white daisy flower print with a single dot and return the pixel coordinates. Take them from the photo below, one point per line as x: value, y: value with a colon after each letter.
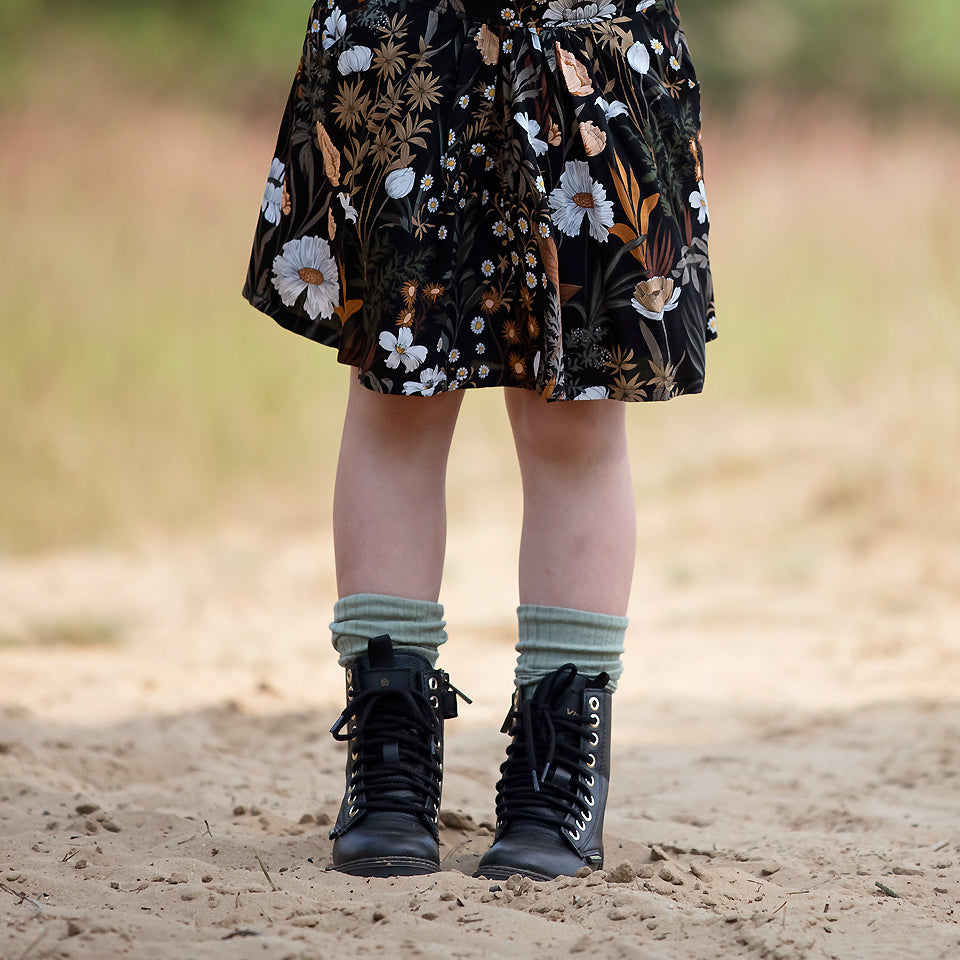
x: 656, y: 46
x: 477, y: 325
x: 487, y: 268
x: 593, y: 393
x: 698, y: 200
x: 429, y: 381
x: 401, y: 350
x: 272, y: 202
x: 567, y: 11
x: 580, y: 197
x: 532, y: 128
x: 426, y: 181
x: 307, y: 265
x: 334, y: 28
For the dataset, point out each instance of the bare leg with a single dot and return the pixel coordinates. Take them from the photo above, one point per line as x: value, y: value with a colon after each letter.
x: 578, y: 543
x: 389, y: 506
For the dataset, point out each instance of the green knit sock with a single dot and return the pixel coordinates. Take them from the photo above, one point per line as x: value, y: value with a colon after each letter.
x: 553, y: 636
x: 415, y: 625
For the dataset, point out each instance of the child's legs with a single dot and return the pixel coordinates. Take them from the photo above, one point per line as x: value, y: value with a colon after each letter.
x: 389, y: 508
x: 578, y: 543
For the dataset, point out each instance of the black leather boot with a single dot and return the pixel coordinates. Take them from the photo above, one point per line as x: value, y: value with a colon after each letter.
x: 388, y: 825
x: 553, y: 784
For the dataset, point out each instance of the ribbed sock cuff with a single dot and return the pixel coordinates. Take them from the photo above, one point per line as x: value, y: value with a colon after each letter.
x: 549, y: 637
x: 415, y: 625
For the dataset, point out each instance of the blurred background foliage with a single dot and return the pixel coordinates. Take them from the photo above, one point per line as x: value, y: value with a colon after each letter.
x: 884, y: 54
x: 139, y: 393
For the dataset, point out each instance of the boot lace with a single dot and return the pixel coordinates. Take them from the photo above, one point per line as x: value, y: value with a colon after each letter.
x: 547, y: 775
x: 395, y: 749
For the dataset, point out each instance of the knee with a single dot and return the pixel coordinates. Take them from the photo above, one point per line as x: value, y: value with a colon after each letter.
x: 407, y: 425
x: 568, y: 433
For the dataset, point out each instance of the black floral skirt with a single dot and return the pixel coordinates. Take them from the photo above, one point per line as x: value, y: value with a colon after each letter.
x: 468, y: 193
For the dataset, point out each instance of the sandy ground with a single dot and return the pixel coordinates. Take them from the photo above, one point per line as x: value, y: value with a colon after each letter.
x: 786, y: 737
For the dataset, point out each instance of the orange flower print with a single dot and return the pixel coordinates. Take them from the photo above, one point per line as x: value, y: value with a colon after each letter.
x: 594, y: 139
x: 517, y: 366
x: 575, y: 74
x: 490, y: 302
x: 409, y: 291
x: 405, y: 318
x: 331, y: 156
x: 432, y: 291
x: 554, y: 136
x: 488, y: 43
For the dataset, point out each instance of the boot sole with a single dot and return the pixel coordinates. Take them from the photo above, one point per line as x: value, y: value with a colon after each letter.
x: 386, y: 867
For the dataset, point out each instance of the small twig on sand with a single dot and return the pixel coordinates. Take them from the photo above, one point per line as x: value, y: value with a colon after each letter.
x: 456, y: 849
x: 23, y: 956
x: 22, y: 898
x: 276, y: 889
x: 207, y: 825
x: 241, y: 933
x: 886, y: 891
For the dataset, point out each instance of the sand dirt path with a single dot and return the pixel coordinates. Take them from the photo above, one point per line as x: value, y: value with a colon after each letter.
x: 787, y: 737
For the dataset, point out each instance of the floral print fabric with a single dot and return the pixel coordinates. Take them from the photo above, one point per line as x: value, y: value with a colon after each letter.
x: 467, y: 194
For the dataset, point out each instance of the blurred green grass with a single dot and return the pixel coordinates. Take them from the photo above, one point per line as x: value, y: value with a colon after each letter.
x: 139, y: 392
x: 881, y: 54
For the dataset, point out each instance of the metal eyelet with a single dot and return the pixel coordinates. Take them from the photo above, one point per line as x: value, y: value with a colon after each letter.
x: 352, y: 812
x: 592, y: 762
x: 588, y: 816
x: 594, y: 703
x: 349, y: 676
x: 594, y: 739
x: 432, y: 683
x: 435, y: 703
x: 588, y: 783
x: 594, y: 720
x: 581, y: 825
x: 588, y: 799
x: 573, y: 834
